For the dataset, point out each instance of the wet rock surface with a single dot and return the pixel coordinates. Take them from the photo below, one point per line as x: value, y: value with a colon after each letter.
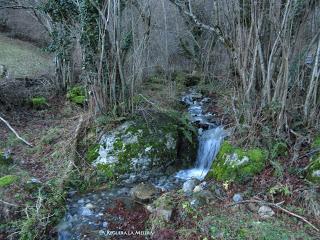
x: 143, y: 191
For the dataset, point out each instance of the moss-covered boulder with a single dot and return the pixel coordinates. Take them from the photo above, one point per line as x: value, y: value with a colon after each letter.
x: 313, y: 169
x: 138, y: 146
x: 236, y: 164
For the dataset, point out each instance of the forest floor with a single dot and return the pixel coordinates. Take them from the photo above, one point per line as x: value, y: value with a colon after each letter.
x: 32, y: 212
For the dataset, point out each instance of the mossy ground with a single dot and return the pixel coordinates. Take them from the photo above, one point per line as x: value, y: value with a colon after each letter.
x: 220, y: 221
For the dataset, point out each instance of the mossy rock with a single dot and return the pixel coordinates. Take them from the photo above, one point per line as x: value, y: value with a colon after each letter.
x: 7, y: 180
x: 137, y: 146
x: 236, y: 164
x: 4, y: 160
x: 39, y: 102
x: 313, y: 170
x: 77, y: 95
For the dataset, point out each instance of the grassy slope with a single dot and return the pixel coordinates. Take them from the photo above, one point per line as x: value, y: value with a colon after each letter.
x: 23, y: 59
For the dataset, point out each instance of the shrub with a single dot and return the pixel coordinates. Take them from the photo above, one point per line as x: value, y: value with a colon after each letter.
x: 39, y: 102
x: 77, y: 95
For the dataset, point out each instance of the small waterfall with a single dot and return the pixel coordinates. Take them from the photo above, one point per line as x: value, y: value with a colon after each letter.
x: 209, y: 146
x: 209, y: 141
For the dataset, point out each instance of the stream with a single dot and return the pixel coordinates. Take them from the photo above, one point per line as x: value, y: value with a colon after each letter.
x: 88, y: 216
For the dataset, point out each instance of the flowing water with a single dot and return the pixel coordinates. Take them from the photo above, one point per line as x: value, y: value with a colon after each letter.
x: 87, y: 216
x: 209, y: 140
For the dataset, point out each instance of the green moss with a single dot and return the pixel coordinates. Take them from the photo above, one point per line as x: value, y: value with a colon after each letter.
x: 316, y: 142
x: 77, y: 95
x: 107, y: 169
x: 8, y: 180
x: 236, y: 164
x: 39, y: 102
x: 92, y: 153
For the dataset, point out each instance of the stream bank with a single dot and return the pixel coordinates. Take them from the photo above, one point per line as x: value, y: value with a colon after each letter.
x: 142, y: 159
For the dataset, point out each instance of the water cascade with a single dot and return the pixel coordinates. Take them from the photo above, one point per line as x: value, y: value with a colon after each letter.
x: 209, y: 140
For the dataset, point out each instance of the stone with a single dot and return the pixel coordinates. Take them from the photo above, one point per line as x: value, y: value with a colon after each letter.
x: 164, y: 213
x: 189, y: 185
x: 105, y: 224
x: 198, y: 188
x: 237, y: 198
x: 316, y: 173
x: 143, y: 191
x: 201, y: 198
x: 90, y: 206
x: 85, y: 212
x: 265, y: 212
x: 33, y: 184
x: 150, y: 208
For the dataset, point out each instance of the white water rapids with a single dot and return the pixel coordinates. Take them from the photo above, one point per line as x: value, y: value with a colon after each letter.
x: 209, y: 140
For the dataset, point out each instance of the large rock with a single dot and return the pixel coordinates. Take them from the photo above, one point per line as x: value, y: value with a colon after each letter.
x: 135, y: 147
x: 236, y: 164
x: 189, y: 185
x: 144, y: 191
x: 162, y: 207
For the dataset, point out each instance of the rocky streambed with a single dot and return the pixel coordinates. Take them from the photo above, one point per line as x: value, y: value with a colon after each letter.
x: 148, y: 158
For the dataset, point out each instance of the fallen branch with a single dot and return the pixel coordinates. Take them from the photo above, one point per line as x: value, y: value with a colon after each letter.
x: 14, y: 131
x: 10, y: 204
x: 277, y: 205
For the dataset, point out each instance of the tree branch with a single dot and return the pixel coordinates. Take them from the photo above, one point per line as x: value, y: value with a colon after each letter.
x: 16, y: 7
x: 226, y: 41
x: 15, y: 133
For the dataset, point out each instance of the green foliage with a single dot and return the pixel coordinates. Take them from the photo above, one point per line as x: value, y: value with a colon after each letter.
x: 316, y: 142
x: 108, y: 170
x: 283, y: 190
x: 49, y: 202
x: 236, y: 164
x: 7, y: 180
x: 92, y: 153
x: 77, y: 95
x: 279, y: 149
x: 39, y: 102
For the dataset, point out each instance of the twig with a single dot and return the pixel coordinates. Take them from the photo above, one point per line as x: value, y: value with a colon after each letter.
x: 10, y: 204
x: 276, y: 205
x: 14, y: 131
